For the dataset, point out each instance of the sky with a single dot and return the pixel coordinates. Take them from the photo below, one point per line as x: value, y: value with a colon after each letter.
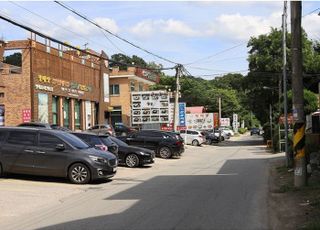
x: 208, y: 37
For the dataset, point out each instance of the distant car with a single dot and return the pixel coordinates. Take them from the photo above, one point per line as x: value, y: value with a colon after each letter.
x: 193, y: 137
x: 255, y: 131
x: 102, y: 129
x: 123, y: 130
x: 57, y: 127
x: 227, y: 130
x: 210, y: 137
x: 133, y: 156
x: 100, y: 141
x: 165, y: 144
x: 47, y: 152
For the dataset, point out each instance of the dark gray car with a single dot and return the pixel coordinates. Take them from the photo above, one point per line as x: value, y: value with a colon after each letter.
x: 53, y: 153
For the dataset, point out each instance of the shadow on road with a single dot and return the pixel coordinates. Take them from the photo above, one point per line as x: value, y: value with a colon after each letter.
x: 234, y: 198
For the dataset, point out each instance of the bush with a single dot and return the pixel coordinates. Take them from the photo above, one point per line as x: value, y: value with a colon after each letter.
x: 242, y: 130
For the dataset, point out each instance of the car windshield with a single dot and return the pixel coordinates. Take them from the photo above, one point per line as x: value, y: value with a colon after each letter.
x: 119, y: 142
x: 74, y: 141
x: 106, y: 140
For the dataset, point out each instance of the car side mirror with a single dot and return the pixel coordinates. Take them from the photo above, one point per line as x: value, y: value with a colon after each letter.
x: 60, y: 147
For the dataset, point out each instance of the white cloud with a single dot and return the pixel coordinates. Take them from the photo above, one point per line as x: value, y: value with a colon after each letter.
x: 242, y: 27
x: 107, y: 23
x: 150, y: 27
x: 311, y: 24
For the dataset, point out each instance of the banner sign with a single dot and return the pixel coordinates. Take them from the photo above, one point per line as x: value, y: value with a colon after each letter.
x: 216, y: 120
x: 225, y: 122
x: 182, y: 114
x: 26, y: 115
x: 149, y: 107
x: 199, y: 120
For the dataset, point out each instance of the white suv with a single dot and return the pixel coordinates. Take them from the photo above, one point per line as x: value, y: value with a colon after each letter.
x: 227, y: 131
x: 193, y: 137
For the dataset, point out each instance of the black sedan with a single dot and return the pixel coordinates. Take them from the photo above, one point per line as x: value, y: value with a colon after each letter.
x: 133, y: 156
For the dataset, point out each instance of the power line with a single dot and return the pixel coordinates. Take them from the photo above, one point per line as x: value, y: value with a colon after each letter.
x: 213, y: 55
x: 75, y: 33
x: 113, y: 34
x: 75, y: 48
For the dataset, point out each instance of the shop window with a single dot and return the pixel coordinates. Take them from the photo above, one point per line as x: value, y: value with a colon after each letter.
x: 116, y: 115
x: 132, y: 86
x: 114, y: 89
x: 140, y: 86
x: 43, y: 113
x: 2, y: 115
x: 14, y: 59
x: 66, y: 118
x: 77, y: 114
x: 55, y: 110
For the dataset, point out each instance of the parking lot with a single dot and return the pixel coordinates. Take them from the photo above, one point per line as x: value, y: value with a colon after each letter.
x: 213, y: 179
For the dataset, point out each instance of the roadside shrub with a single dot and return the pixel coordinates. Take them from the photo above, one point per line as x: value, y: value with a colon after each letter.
x: 242, y: 130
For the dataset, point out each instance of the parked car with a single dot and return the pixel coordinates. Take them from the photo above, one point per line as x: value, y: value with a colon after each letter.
x: 133, y: 156
x: 255, y: 131
x: 100, y: 141
x: 50, y: 152
x: 165, y: 144
x: 227, y: 130
x: 193, y: 137
x: 102, y: 129
x: 123, y: 130
x: 210, y: 137
x: 43, y: 125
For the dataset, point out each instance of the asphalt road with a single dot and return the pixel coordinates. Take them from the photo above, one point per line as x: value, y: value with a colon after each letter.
x: 210, y: 187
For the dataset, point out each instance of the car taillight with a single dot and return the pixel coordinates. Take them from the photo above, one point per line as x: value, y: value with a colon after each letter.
x: 102, y: 147
x: 179, y: 143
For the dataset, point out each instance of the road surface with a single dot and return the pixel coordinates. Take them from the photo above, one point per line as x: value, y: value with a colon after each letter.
x: 210, y: 187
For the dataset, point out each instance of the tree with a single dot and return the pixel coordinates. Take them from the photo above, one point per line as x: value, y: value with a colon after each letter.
x: 14, y: 59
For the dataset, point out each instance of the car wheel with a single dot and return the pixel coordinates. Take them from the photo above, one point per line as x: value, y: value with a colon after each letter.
x: 132, y: 160
x: 208, y: 141
x: 195, y: 143
x: 79, y: 174
x: 222, y: 138
x: 165, y: 152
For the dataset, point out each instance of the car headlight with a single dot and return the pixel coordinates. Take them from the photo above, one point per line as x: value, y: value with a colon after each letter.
x: 144, y: 154
x: 98, y: 159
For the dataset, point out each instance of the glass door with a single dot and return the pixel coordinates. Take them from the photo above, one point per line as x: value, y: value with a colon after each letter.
x: 66, y: 119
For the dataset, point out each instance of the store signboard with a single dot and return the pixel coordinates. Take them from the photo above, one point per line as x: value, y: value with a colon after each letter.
x: 216, y: 120
x: 149, y: 107
x: 182, y: 114
x: 225, y: 121
x: 106, y: 87
x: 235, y: 122
x: 2, y: 111
x: 26, y: 115
x: 199, y: 121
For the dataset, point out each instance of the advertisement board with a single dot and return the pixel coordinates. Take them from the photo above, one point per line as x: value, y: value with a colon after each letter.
x: 199, y: 121
x: 26, y: 115
x: 182, y: 114
x: 225, y: 122
x: 149, y: 107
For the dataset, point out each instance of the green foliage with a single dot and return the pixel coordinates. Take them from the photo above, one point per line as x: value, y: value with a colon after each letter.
x: 242, y: 130
x: 310, y: 101
x: 14, y: 59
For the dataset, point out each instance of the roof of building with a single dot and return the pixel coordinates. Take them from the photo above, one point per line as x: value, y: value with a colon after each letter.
x: 195, y: 109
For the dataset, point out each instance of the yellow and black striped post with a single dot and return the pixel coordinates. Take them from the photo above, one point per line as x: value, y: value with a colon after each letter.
x: 299, y: 154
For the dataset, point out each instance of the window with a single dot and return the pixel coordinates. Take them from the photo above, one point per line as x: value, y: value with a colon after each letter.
x: 77, y: 114
x: 43, y: 115
x: 66, y: 104
x: 1, y: 95
x: 132, y: 86
x: 22, y: 138
x: 76, y: 142
x: 54, y: 110
x: 114, y: 89
x: 49, y: 141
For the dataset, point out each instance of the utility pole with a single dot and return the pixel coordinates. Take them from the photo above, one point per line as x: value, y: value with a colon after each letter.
x: 300, y: 165
x: 285, y: 105
x: 176, y: 98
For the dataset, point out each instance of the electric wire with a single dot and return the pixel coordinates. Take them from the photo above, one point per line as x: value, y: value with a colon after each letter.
x: 14, y: 22
x: 109, y: 32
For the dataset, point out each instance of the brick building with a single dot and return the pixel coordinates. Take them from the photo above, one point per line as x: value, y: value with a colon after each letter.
x: 122, y: 83
x: 53, y: 85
